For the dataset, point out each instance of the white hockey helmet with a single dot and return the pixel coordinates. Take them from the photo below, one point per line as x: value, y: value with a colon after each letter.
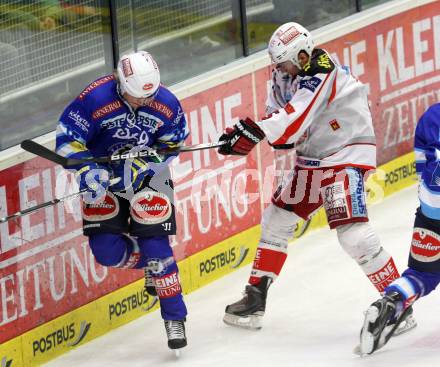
x: 138, y: 74
x: 288, y: 41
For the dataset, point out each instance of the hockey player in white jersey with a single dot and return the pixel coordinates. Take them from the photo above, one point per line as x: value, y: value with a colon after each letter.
x: 423, y: 273
x: 319, y: 108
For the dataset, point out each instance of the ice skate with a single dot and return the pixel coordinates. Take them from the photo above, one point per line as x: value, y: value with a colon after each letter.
x: 249, y: 311
x: 382, y: 319
x: 405, y: 324
x: 149, y: 285
x: 176, y: 334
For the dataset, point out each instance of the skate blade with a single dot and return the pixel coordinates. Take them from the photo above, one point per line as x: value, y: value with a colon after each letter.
x: 252, y: 322
x: 357, y: 350
x: 177, y: 353
x: 367, y: 338
x: 407, y: 325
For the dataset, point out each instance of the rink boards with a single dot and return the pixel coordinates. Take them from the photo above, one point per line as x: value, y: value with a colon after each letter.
x: 54, y: 297
x: 130, y: 302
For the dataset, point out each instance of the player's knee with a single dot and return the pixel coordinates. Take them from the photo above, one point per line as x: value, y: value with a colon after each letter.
x: 278, y: 223
x: 359, y: 240
x: 109, y: 249
x: 155, y: 246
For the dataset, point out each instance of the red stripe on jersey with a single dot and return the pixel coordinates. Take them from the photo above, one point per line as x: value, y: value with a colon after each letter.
x: 338, y: 166
x: 295, y: 125
x: 333, y: 94
x: 361, y: 166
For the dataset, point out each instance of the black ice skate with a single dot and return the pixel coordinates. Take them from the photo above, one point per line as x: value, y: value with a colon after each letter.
x: 249, y: 311
x: 382, y: 319
x: 149, y: 285
x: 152, y: 298
x: 176, y: 333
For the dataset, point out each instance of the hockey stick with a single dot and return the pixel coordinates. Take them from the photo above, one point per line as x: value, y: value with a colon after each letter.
x: 40, y: 150
x: 49, y: 203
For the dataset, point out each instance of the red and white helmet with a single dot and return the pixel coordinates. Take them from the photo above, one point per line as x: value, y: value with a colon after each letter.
x: 138, y: 74
x: 288, y: 41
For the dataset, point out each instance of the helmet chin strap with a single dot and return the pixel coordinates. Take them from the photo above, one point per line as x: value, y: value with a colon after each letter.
x: 122, y: 89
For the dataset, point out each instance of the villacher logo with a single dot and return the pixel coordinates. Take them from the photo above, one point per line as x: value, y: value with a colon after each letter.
x: 106, y: 209
x: 150, y: 207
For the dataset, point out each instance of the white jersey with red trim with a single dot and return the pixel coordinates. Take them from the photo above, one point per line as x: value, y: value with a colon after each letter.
x: 325, y: 112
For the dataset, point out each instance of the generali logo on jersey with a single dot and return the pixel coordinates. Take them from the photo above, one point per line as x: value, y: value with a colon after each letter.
x: 289, y: 35
x: 107, y: 109
x: 161, y: 108
x: 95, y: 85
x: 150, y: 207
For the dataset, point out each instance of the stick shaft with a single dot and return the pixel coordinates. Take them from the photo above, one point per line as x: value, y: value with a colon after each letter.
x: 40, y: 150
x: 48, y: 203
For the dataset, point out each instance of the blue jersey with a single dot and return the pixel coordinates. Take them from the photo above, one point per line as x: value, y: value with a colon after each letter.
x: 99, y: 122
x: 427, y: 149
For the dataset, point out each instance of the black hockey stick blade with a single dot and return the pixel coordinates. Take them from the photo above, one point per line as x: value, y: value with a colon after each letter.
x: 40, y: 150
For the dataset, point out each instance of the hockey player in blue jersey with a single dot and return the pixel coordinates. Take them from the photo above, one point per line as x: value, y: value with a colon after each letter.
x: 128, y: 223
x: 423, y: 273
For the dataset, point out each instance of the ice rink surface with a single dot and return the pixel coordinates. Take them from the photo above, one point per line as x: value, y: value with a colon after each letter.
x: 313, y: 316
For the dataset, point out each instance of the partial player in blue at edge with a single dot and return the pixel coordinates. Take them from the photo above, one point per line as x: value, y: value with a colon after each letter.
x: 423, y: 273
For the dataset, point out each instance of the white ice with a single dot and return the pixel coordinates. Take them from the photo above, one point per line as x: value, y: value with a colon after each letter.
x: 313, y: 316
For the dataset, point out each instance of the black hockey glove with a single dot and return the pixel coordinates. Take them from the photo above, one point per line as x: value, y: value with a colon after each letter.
x: 241, y: 138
